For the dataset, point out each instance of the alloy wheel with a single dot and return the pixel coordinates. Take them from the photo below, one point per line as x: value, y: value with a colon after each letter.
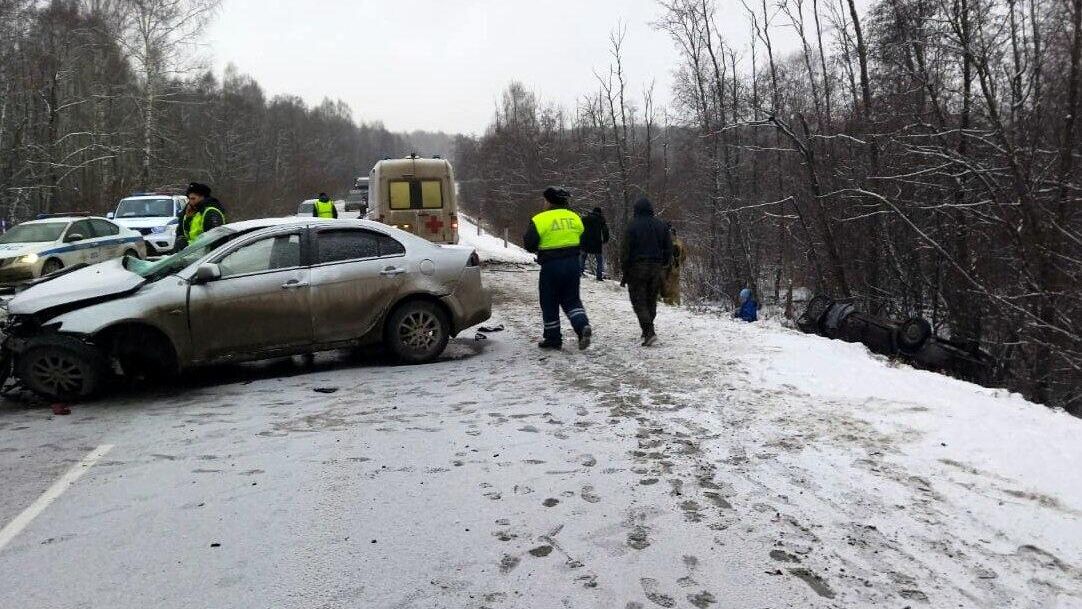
x: 419, y: 330
x: 60, y: 374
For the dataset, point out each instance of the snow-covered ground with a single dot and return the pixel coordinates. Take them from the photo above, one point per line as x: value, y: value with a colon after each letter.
x: 490, y: 247
x: 886, y: 482
x: 732, y: 465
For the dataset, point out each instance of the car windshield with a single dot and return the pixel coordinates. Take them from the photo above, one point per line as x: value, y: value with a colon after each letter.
x: 34, y: 233
x: 305, y: 208
x: 145, y: 208
x: 153, y: 271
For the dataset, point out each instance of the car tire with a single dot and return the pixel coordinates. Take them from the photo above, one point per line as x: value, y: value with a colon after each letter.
x: 417, y: 332
x: 132, y: 253
x: 912, y: 334
x: 51, y: 265
x: 61, y: 368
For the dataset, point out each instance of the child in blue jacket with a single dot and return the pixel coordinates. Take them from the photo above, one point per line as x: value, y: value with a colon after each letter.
x: 749, y: 308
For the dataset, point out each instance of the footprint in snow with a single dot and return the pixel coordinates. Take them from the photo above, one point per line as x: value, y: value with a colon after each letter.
x: 702, y: 600
x: 637, y: 539
x: 541, y: 551
x: 650, y: 589
x: 508, y: 563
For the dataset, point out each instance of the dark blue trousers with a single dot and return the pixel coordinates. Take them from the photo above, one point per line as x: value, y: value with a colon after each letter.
x: 599, y: 258
x: 559, y: 287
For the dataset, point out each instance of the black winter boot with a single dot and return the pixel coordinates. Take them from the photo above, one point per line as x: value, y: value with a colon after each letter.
x: 584, y: 338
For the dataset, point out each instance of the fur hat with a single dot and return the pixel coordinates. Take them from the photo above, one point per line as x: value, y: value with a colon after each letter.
x: 556, y: 196
x: 195, y: 188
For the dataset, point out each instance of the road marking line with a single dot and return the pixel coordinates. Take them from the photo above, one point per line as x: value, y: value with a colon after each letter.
x: 50, y: 495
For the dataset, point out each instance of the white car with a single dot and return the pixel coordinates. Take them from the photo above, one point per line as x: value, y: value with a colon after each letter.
x: 304, y: 210
x: 152, y: 215
x: 44, y: 246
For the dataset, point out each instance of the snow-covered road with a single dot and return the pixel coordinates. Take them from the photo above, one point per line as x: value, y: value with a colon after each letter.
x: 730, y: 466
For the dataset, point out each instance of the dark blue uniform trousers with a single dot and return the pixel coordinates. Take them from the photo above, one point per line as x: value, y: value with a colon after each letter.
x: 559, y: 286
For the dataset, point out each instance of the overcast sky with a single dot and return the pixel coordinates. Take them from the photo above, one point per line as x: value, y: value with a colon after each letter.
x: 441, y: 64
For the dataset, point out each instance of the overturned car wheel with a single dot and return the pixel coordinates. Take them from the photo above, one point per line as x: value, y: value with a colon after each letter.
x: 912, y: 334
x: 61, y: 368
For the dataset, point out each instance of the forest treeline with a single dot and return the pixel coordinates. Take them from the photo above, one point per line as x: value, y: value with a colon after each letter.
x: 920, y: 158
x: 102, y: 98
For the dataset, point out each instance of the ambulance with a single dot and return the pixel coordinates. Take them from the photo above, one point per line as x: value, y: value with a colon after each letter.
x: 416, y: 195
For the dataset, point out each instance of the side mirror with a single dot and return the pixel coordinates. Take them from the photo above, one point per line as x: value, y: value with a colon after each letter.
x: 72, y: 238
x: 207, y: 273
x: 110, y: 215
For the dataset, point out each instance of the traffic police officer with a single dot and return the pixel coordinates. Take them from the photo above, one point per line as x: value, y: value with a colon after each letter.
x: 324, y: 207
x: 555, y: 235
x: 202, y: 213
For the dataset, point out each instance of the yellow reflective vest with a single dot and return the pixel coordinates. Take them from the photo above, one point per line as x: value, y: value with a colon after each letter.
x: 558, y: 228
x: 324, y: 209
x: 194, y: 223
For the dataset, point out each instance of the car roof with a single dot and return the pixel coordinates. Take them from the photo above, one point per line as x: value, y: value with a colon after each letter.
x: 246, y: 225
x: 262, y: 223
x: 59, y: 219
x: 162, y: 196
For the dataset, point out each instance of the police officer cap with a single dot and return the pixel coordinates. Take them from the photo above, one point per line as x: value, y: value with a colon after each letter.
x: 556, y: 196
x: 195, y: 188
x: 323, y: 196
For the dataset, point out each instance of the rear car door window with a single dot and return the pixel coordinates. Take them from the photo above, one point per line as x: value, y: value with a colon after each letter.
x: 388, y: 246
x: 269, y: 254
x: 104, y: 228
x: 341, y: 245
x: 82, y: 227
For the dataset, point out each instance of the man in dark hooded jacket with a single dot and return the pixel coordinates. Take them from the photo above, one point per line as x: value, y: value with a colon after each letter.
x: 594, y: 238
x: 647, y: 250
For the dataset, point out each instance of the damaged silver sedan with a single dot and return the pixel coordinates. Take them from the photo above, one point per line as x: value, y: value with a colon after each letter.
x: 245, y: 291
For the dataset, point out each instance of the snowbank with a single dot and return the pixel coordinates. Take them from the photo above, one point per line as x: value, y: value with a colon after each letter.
x: 944, y: 420
x: 951, y: 421
x: 490, y: 247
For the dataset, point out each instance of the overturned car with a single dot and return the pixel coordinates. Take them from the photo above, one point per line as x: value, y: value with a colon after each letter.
x: 911, y: 339
x: 244, y: 291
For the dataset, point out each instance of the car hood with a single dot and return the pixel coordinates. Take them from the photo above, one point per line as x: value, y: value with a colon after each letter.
x: 91, y: 283
x: 150, y: 222
x: 11, y: 250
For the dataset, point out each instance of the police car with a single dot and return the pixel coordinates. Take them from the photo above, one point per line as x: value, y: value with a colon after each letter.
x: 51, y: 243
x: 153, y: 215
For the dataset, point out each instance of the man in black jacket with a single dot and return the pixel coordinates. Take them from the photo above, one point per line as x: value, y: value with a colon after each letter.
x: 594, y: 238
x: 647, y: 250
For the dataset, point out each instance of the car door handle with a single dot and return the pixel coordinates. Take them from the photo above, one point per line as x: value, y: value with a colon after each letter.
x: 293, y: 284
x: 392, y: 271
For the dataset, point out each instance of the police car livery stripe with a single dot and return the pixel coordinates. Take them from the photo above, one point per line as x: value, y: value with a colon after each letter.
x: 83, y: 246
